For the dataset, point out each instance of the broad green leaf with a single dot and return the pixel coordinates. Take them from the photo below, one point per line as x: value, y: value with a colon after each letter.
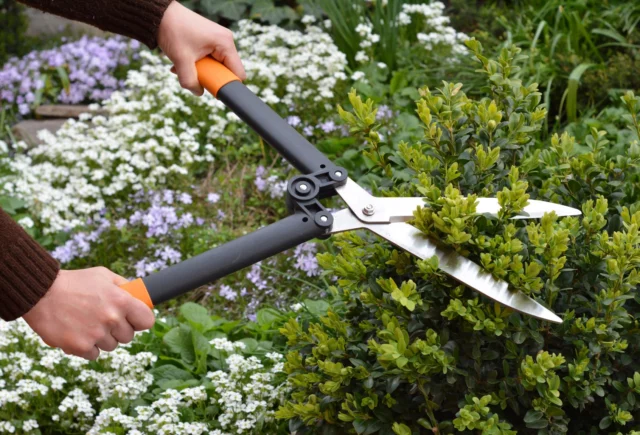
x: 267, y: 316
x: 317, y: 308
x: 170, y: 372
x: 179, y: 341
x: 197, y: 315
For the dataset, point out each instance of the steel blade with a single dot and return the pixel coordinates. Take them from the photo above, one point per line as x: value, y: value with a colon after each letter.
x: 453, y: 264
x: 401, y: 209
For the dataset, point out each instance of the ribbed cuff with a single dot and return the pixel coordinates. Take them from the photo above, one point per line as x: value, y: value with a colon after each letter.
x: 138, y: 19
x: 27, y: 272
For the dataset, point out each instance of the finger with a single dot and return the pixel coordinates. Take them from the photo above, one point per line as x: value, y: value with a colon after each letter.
x: 230, y: 58
x: 90, y: 355
x: 123, y: 333
x: 139, y: 316
x: 188, y: 77
x: 119, y: 280
x: 173, y: 70
x: 107, y: 343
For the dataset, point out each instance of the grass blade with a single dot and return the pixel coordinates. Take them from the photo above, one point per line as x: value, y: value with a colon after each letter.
x: 572, y: 89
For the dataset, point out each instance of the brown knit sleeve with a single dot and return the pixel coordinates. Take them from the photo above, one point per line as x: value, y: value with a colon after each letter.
x: 138, y: 19
x: 27, y: 271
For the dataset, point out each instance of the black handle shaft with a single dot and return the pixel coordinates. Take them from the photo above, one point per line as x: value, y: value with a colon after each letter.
x: 231, y: 257
x: 272, y: 128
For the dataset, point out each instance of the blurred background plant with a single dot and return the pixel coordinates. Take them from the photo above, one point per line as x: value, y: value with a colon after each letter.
x: 13, y: 25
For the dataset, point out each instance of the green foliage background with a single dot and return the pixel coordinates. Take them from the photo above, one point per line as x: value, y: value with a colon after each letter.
x: 13, y: 24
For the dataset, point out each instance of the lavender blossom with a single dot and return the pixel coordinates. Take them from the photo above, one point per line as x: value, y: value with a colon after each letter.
x: 213, y: 198
x: 384, y: 112
x: 228, y: 293
x: 89, y: 63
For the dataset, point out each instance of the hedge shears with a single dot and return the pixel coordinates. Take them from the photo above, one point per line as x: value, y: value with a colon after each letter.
x: 309, y: 219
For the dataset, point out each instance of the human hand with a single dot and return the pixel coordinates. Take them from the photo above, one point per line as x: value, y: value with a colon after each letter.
x: 186, y: 37
x: 85, y: 311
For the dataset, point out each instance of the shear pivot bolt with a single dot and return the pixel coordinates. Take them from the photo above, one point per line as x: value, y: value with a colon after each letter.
x: 303, y: 187
x: 368, y: 210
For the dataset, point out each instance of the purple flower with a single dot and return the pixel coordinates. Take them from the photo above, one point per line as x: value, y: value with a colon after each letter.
x: 90, y: 64
x: 199, y: 222
x: 167, y: 196
x: 121, y: 223
x: 255, y: 276
x: 221, y: 215
x: 384, y: 112
x: 228, y: 293
x: 294, y: 121
x: 213, y: 198
x: 328, y: 126
x: 169, y: 255
x: 305, y: 257
x: 65, y: 253
x: 261, y: 184
x: 308, y: 130
x: 185, y: 198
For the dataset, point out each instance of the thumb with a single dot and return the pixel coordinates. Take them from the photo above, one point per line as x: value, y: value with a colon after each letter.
x: 188, y: 76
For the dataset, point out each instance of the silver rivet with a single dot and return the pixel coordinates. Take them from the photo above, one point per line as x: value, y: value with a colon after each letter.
x: 368, y: 210
x: 303, y: 187
x: 324, y: 218
x: 338, y: 174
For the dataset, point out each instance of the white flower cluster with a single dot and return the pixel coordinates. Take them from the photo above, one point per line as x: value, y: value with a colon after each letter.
x: 157, y: 131
x: 367, y: 39
x: 38, y: 380
x: 245, y: 394
x: 436, y: 32
x: 433, y: 32
x: 307, y: 65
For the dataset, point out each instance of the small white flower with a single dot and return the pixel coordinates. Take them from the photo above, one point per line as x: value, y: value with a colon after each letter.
x: 26, y: 222
x: 358, y: 75
x: 308, y: 19
x: 361, y: 57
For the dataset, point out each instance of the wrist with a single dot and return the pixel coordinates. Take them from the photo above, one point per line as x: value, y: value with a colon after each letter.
x: 167, y: 22
x: 33, y: 313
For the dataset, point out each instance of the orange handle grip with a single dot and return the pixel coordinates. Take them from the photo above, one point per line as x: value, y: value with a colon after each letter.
x: 213, y: 75
x: 138, y: 290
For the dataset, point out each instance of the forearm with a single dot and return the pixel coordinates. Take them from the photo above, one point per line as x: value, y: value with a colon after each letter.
x: 27, y: 271
x: 138, y: 19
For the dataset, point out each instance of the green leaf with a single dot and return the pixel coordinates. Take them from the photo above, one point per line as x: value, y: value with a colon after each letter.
x: 317, y: 308
x: 266, y: 10
x: 64, y: 78
x: 197, y: 315
x: 11, y: 205
x: 202, y: 347
x: 231, y: 9
x: 572, y: 89
x: 605, y: 423
x: 533, y: 416
x: 360, y: 426
x: 267, y: 316
x: 250, y: 343
x: 398, y: 81
x: 538, y: 424
x: 170, y: 372
x: 179, y: 341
